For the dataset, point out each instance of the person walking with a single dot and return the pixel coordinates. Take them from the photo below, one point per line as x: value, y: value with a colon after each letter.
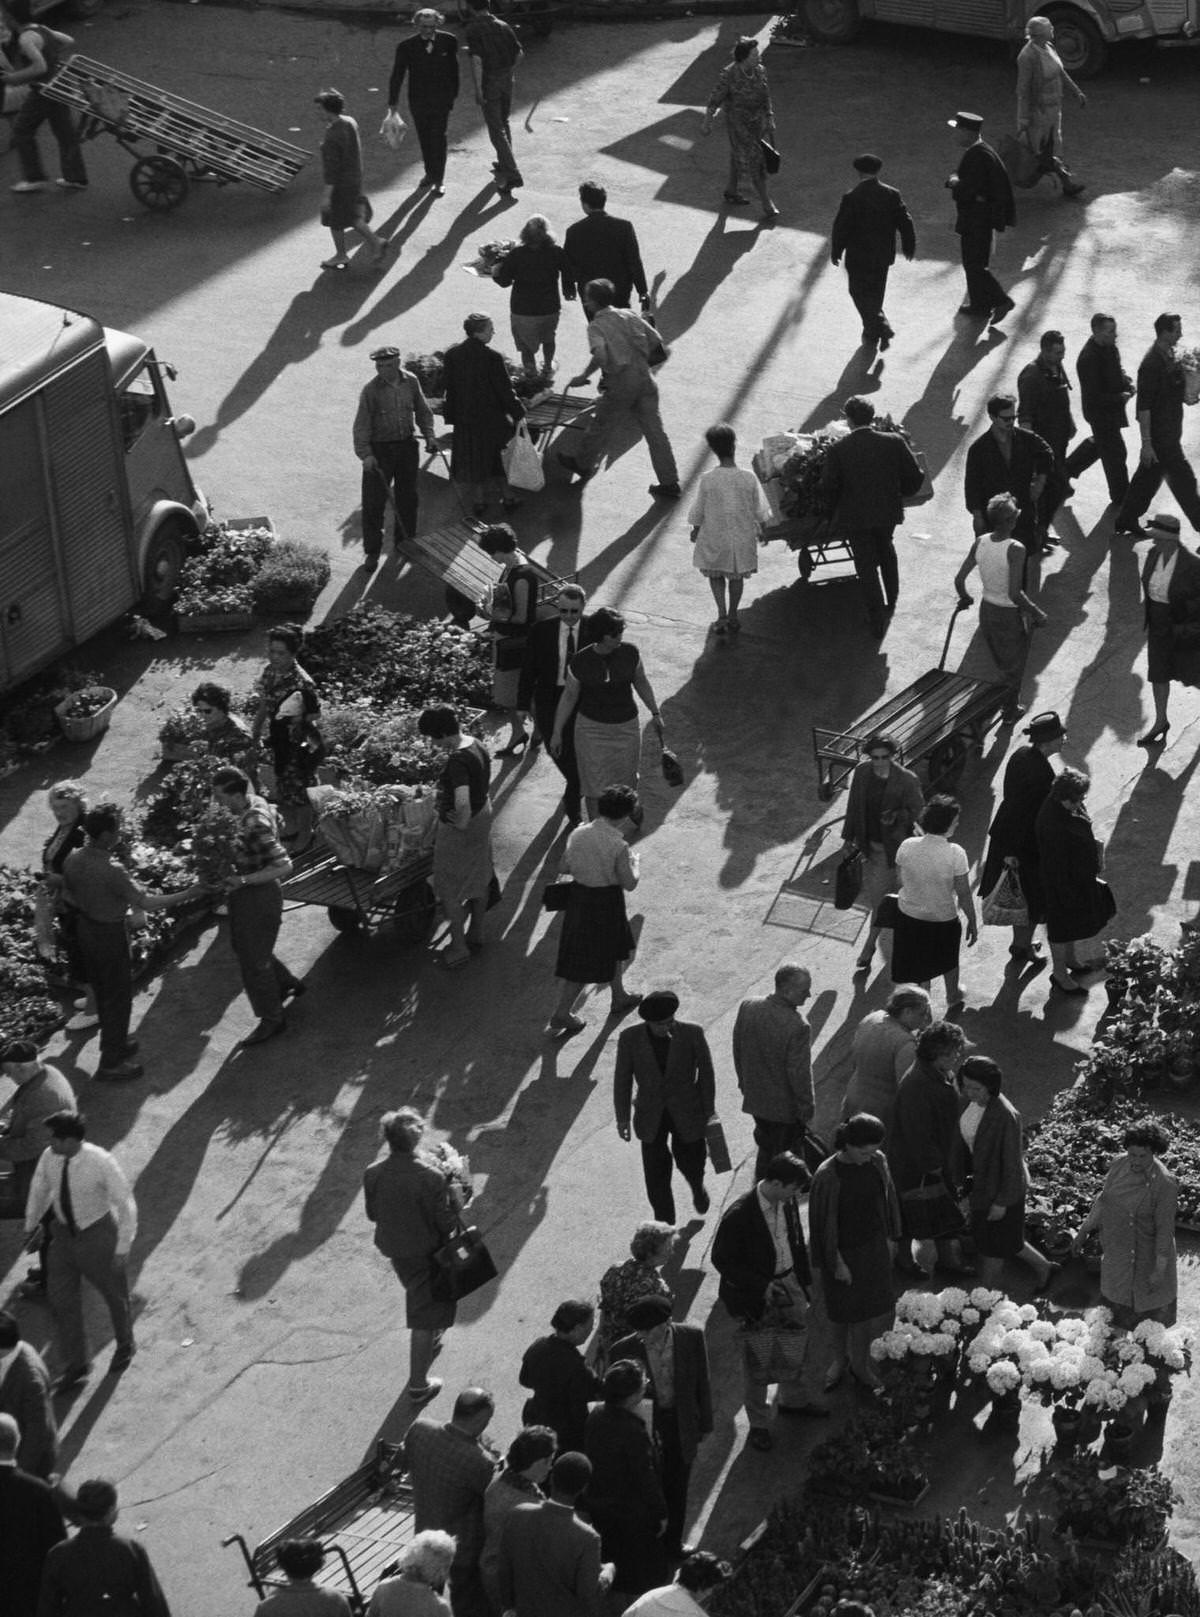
x: 640, y: 1275
x: 625, y: 1497
x: 1041, y: 80
x: 254, y: 895
x: 881, y: 1052
x: 98, y: 1569
x: 772, y: 1057
x: 101, y: 892
x: 32, y: 1523
x: 882, y: 808
x: 1159, y: 405
x: 744, y: 95
x: 670, y: 1066
x: 463, y: 871
x: 549, y: 1558
x: 1028, y: 777
x: 345, y: 207
x: 392, y: 411
x: 1171, y: 593
x: 983, y: 205
x: 1104, y: 391
x: 604, y: 680
x: 601, y: 247
x: 511, y: 607
x: 494, y: 51
x: 39, y: 1091
x: 39, y: 52
x: 558, y: 1376
x: 83, y: 1193
x: 622, y: 345
x: 1044, y: 408
x: 867, y: 476
x: 1008, y: 459
x: 922, y: 1153
x: 483, y: 410
x: 766, y: 1282
x: 408, y: 1200
x: 675, y: 1360
x: 1078, y: 904
x: 450, y: 1466
x: 934, y: 886
x: 1135, y: 1216
x: 869, y: 220
x: 992, y: 1170
x: 550, y: 648
x: 596, y: 943
x: 25, y: 1397
x: 1007, y: 614
x: 428, y: 58
x: 536, y: 269
x: 727, y: 517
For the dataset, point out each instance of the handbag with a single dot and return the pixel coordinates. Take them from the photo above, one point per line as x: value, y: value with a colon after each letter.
x: 717, y: 1146
x: 462, y: 1265
x: 557, y: 895
x: 774, y: 1352
x: 1005, y: 905
x: 672, y: 769
x: 522, y: 463
x: 771, y: 158
x: 848, y: 881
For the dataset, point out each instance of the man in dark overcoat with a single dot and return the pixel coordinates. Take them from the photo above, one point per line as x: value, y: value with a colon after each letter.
x: 429, y: 60
x: 869, y: 219
x: 984, y: 203
x: 1104, y: 391
x: 1044, y: 407
x: 604, y: 248
x: 549, y: 647
x: 1008, y: 459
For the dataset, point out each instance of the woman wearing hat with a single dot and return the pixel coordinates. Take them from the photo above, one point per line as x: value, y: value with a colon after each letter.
x: 1171, y: 589
x: 1027, y: 782
x: 1077, y: 903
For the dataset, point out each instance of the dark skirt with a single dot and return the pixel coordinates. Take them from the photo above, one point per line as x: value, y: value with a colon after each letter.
x: 477, y: 450
x: 1002, y: 1237
x: 932, y: 1215
x: 596, y: 936
x: 922, y: 950
x: 870, y: 1292
x: 422, y: 1310
x: 1160, y: 643
x: 346, y: 206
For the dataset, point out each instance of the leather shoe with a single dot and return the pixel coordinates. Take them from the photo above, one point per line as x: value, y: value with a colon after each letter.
x: 264, y: 1031
x: 1001, y: 309
x: 72, y: 1376
x: 701, y: 1200
x: 120, y: 1073
x: 759, y: 1438
x: 665, y: 491
x: 122, y: 1358
x: 426, y: 1394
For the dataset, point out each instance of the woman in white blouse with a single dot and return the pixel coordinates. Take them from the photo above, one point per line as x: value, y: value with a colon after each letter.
x: 934, y: 886
x: 727, y: 517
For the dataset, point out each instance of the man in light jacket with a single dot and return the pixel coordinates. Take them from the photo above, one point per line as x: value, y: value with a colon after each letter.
x: 772, y: 1056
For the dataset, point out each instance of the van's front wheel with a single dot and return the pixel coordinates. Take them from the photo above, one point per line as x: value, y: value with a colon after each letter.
x: 833, y: 22
x: 1078, y: 41
x: 164, y: 561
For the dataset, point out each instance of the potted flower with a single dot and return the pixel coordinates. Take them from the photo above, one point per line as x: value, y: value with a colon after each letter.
x: 290, y: 579
x: 181, y: 734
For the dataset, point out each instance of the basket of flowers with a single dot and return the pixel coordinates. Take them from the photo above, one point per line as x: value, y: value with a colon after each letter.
x: 86, y: 714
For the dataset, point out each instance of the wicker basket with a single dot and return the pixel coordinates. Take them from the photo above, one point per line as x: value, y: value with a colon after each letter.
x: 86, y: 729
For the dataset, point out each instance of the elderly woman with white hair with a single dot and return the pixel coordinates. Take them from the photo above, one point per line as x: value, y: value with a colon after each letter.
x: 1041, y: 80
x: 418, y: 1589
x: 534, y: 270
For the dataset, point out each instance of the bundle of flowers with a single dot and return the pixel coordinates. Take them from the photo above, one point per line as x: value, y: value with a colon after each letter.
x: 1189, y: 358
x: 214, y: 846
x: 181, y: 728
x: 396, y: 754
x: 290, y: 578
x: 233, y: 552
x: 85, y: 704
x: 455, y: 1169
x: 196, y: 598
x: 489, y: 254
x: 173, y: 811
x: 800, y: 476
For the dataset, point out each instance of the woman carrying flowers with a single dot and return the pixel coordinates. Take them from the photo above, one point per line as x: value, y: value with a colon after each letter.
x: 1135, y: 1214
x: 287, y: 708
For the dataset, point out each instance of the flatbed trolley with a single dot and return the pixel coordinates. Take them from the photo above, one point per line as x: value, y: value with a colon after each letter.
x: 554, y: 413
x: 452, y: 555
x: 359, y: 901
x: 363, y: 1523
x: 186, y: 142
x: 935, y: 722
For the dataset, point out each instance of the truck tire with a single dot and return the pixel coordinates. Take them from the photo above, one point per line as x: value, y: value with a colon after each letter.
x: 833, y: 22
x: 1078, y: 41
x: 164, y: 559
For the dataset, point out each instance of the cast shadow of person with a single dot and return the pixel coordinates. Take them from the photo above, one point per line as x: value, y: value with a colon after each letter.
x: 1106, y: 697
x: 1135, y: 856
x: 716, y: 258
x: 931, y: 421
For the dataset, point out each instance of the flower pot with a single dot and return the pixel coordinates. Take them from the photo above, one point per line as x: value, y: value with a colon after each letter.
x: 1118, y: 1442
x: 1006, y: 1408
x: 216, y: 622
x: 1068, y: 1427
x: 86, y: 729
x: 1057, y: 1246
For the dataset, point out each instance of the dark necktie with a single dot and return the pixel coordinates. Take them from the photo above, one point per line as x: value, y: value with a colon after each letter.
x: 570, y: 645
x: 64, y: 1198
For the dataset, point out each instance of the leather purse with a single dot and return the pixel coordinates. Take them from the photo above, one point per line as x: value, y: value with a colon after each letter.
x: 556, y: 894
x: 770, y: 156
x: 462, y: 1265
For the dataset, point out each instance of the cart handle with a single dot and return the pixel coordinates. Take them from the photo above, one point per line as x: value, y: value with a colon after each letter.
x: 256, y: 1582
x: 959, y: 606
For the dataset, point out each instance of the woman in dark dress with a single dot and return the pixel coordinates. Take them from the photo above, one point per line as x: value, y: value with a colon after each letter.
x: 625, y: 1497
x: 1078, y: 904
x: 854, y: 1223
x: 922, y: 1151
x: 287, y: 710
x: 462, y: 854
x: 1027, y: 782
x: 992, y: 1168
x: 1171, y: 589
x: 483, y: 410
x: 224, y: 736
x: 344, y: 207
x: 512, y: 612
x: 557, y: 1374
x: 881, y: 811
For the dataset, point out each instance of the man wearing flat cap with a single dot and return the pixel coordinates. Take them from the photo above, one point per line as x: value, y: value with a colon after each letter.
x: 671, y: 1067
x: 676, y: 1363
x: 868, y: 221
x: 984, y: 204
x: 392, y: 409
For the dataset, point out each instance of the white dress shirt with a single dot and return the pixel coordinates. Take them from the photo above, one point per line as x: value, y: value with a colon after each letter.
x: 777, y: 1224
x: 1160, y: 578
x: 98, y: 1188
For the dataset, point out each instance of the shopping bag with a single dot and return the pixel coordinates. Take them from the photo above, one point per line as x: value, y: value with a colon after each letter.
x: 672, y: 769
x: 847, y: 883
x: 774, y: 1352
x: 717, y: 1146
x: 522, y: 463
x: 462, y: 1265
x: 393, y: 129
x: 1005, y: 905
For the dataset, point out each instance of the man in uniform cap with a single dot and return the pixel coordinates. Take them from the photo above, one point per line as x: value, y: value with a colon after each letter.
x: 868, y: 221
x: 671, y: 1066
x: 391, y: 410
x: 984, y: 203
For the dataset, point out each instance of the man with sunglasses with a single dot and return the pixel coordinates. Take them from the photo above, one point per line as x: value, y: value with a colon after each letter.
x: 1009, y: 459
x: 549, y: 647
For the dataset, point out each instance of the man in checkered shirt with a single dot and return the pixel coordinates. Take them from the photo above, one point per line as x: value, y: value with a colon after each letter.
x: 450, y: 1467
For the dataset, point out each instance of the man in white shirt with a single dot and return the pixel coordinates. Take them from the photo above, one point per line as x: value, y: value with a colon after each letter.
x: 92, y: 1215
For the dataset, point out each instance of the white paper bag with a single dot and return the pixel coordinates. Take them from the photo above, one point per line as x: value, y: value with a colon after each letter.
x: 522, y: 463
x: 393, y: 129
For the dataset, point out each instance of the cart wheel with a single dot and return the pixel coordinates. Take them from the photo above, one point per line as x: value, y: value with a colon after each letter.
x: 413, y: 914
x: 159, y: 183
x: 947, y: 759
x: 805, y: 563
x: 344, y: 920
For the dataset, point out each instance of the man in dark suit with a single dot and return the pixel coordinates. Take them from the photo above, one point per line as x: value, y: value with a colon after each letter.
x: 549, y: 1559
x: 1044, y: 407
x: 549, y: 647
x: 99, y: 1570
x: 1104, y: 391
x: 676, y: 1362
x: 868, y: 221
x: 429, y: 57
x: 31, y: 1524
x: 1008, y: 459
x: 1159, y: 407
x: 867, y: 475
x: 984, y: 203
x: 671, y: 1065
x: 760, y: 1255
x: 601, y: 248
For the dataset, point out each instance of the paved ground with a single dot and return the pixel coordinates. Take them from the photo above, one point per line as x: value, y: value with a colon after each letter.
x: 271, y: 1355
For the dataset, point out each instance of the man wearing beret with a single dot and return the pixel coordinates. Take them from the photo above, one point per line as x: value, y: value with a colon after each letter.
x: 671, y: 1066
x: 983, y: 203
x: 676, y: 1362
x: 868, y: 221
x: 392, y: 409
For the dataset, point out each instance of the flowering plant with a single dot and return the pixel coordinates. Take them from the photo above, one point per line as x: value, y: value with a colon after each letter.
x: 455, y: 1169
x: 181, y: 727
x: 215, y: 846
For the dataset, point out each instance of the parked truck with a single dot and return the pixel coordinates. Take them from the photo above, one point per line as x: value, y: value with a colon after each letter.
x: 97, y: 504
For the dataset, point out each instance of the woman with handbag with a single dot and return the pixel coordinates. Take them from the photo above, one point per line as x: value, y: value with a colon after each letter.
x: 881, y: 811
x: 479, y: 403
x: 922, y: 1152
x: 934, y: 886
x: 287, y: 709
x: 1028, y: 778
x: 744, y: 94
x: 462, y: 855
x: 511, y: 611
x: 1078, y: 904
x: 1171, y: 589
x: 992, y: 1170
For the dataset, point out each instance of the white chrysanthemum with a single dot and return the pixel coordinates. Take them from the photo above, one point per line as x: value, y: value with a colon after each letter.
x: 1064, y: 1374
x: 1003, y: 1376
x: 1091, y: 1368
x: 942, y: 1343
x: 1042, y: 1330
x: 982, y: 1298
x: 1071, y: 1329
x: 951, y: 1327
x: 1041, y: 1370
x: 954, y: 1299
x: 970, y: 1316
x: 1116, y: 1399
x: 1096, y: 1393
x: 1135, y: 1378
x: 978, y: 1363
x: 1028, y: 1313
x: 1128, y: 1351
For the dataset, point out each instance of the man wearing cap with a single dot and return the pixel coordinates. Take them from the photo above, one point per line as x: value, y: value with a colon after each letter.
x: 676, y: 1363
x: 984, y: 203
x: 1028, y: 777
x: 429, y: 58
x: 868, y: 221
x: 392, y: 409
x: 772, y: 1056
x: 1159, y: 405
x: 672, y: 1068
x: 1171, y: 589
x: 1104, y: 391
x: 760, y: 1255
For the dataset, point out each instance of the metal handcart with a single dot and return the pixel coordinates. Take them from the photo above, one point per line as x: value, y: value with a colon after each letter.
x: 186, y: 142
x: 360, y: 901
x: 363, y: 1524
x: 554, y: 413
x: 451, y: 554
x: 935, y: 722
x: 822, y: 557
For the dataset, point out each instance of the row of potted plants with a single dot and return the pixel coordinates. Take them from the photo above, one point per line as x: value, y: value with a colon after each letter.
x: 1149, y: 1038
x: 237, y: 569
